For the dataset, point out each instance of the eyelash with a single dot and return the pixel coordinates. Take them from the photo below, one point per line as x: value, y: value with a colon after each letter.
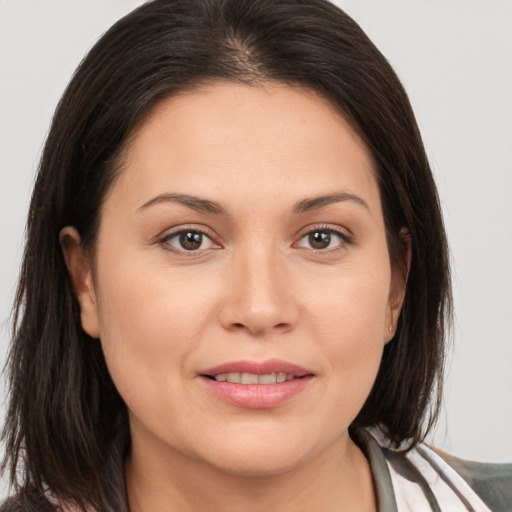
x: 345, y: 240
x: 165, y: 241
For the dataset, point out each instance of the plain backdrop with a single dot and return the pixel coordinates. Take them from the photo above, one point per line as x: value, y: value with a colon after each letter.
x: 455, y: 60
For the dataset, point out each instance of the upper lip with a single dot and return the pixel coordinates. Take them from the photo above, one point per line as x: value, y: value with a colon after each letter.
x: 258, y: 368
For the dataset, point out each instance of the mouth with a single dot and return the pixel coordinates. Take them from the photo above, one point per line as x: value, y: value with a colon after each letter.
x: 253, y: 378
x: 272, y: 371
x: 256, y: 385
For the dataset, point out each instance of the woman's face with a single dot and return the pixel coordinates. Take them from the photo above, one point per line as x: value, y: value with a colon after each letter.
x: 243, y: 244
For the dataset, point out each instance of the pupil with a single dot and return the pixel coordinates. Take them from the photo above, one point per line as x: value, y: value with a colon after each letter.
x: 319, y: 239
x: 191, y: 240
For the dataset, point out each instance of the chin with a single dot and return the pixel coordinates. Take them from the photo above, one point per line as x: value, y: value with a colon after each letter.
x: 258, y: 465
x: 260, y: 456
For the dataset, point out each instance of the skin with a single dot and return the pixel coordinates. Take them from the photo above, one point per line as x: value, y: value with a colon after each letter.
x: 256, y: 289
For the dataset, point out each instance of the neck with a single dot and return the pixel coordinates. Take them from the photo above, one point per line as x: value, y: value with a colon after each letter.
x: 337, y: 479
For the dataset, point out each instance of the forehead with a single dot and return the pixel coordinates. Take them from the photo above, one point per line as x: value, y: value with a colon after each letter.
x: 220, y: 138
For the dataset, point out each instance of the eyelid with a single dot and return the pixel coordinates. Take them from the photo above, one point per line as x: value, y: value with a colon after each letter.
x: 345, y: 235
x: 172, y: 232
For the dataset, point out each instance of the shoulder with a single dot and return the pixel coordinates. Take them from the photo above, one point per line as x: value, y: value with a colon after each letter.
x: 492, y: 482
x: 427, y: 475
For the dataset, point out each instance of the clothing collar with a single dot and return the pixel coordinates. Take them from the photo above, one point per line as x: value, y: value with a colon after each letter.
x: 383, y: 485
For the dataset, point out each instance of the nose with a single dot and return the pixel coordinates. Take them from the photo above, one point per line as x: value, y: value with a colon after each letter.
x: 258, y: 295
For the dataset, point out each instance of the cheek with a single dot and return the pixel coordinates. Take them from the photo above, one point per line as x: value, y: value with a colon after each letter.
x: 348, y: 322
x: 151, y: 321
x: 350, y: 304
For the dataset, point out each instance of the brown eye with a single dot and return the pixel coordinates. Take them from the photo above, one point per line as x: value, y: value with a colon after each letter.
x: 188, y: 240
x: 322, y: 239
x: 319, y: 239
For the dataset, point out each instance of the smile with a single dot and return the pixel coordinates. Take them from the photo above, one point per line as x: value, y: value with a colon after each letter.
x: 256, y: 385
x: 253, y: 378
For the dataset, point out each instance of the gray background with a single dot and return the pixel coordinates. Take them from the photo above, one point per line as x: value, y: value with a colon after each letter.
x: 455, y: 59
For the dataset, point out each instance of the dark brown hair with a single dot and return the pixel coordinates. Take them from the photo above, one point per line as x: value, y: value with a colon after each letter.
x: 65, y: 417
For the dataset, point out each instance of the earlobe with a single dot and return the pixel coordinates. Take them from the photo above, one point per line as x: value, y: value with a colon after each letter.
x: 395, y: 301
x: 79, y: 269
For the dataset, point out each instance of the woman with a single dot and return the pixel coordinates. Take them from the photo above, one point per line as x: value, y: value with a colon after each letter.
x: 242, y: 281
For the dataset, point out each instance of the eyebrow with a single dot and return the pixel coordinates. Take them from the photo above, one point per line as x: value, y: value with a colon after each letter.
x: 195, y: 203
x: 206, y: 206
x: 315, y: 203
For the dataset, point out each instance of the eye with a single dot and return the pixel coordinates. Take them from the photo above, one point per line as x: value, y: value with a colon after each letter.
x: 323, y: 239
x: 188, y: 240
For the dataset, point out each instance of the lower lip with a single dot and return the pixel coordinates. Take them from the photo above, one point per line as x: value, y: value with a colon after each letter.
x: 257, y: 396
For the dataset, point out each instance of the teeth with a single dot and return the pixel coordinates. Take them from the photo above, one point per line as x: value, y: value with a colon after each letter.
x: 252, y: 378
x: 281, y: 377
x: 248, y: 378
x: 267, y: 379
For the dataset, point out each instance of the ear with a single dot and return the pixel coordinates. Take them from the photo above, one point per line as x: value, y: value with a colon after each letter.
x: 79, y: 268
x: 397, y: 288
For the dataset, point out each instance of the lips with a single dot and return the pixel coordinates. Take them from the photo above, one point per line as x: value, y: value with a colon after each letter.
x: 256, y: 385
x: 257, y: 368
